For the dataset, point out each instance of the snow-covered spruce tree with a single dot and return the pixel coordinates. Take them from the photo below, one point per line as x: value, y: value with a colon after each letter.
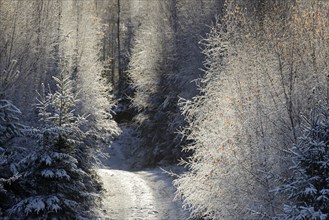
x: 10, y: 128
x: 308, y: 188
x: 55, y: 185
x: 9, y: 121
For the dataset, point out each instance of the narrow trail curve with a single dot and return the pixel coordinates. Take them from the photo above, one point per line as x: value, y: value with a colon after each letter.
x: 139, y: 195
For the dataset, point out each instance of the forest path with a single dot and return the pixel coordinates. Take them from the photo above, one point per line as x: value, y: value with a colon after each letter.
x: 139, y: 195
x: 146, y: 194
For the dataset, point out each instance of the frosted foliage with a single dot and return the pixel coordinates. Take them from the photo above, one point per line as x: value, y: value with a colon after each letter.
x: 215, y: 187
x: 8, y: 77
x: 9, y: 125
x: 151, y: 54
x: 194, y: 18
x: 57, y: 112
x: 82, y: 47
x: 252, y: 94
x: 62, y: 102
x: 211, y: 188
x: 28, y: 35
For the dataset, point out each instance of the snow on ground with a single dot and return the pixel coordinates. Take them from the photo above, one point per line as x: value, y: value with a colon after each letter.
x: 146, y: 194
x: 128, y: 196
x: 139, y: 195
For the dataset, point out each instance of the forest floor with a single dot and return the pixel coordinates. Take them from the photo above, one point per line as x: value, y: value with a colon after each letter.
x: 145, y: 194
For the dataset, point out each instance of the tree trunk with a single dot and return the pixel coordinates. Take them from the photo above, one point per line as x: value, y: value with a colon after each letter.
x: 121, y: 77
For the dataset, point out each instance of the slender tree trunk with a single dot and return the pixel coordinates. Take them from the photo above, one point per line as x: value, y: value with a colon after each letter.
x: 2, y: 40
x: 121, y: 77
x: 112, y: 51
x: 12, y: 36
x: 40, y: 9
x: 174, y: 18
x: 77, y: 39
x: 174, y: 26
x: 327, y: 90
x: 57, y: 47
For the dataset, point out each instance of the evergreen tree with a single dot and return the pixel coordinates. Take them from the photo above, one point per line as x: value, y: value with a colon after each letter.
x: 9, y: 129
x: 308, y: 188
x: 9, y: 113
x: 9, y: 125
x: 55, y: 184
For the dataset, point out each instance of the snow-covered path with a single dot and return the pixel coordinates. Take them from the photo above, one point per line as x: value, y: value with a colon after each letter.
x: 139, y: 195
x: 128, y: 196
x: 146, y: 194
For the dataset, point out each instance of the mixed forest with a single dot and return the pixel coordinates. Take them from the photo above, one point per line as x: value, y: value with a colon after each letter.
x: 235, y: 91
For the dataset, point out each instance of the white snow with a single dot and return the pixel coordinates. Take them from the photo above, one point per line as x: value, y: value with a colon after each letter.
x: 145, y: 195
x: 47, y: 173
x: 139, y: 195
